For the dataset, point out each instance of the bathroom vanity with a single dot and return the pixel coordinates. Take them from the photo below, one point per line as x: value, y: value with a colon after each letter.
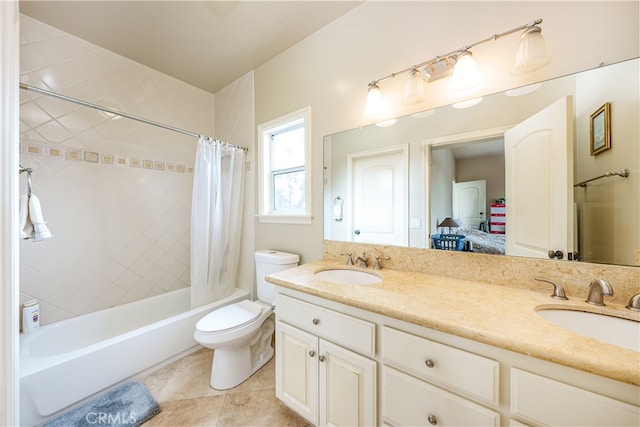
x: 417, y: 349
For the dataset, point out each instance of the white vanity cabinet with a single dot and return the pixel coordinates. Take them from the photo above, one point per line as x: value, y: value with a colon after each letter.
x: 341, y: 365
x: 419, y: 376
x: 541, y: 400
x: 317, y: 373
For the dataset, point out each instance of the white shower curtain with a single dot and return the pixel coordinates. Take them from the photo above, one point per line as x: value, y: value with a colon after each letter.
x: 216, y: 220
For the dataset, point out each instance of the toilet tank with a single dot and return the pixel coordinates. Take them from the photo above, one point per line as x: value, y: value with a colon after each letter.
x: 267, y: 262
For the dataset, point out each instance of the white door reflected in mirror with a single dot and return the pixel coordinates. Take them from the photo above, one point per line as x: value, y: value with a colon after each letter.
x: 539, y: 181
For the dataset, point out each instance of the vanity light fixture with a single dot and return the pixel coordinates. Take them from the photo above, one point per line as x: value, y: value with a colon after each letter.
x: 375, y: 105
x: 530, y: 56
x: 465, y: 72
x: 414, y: 87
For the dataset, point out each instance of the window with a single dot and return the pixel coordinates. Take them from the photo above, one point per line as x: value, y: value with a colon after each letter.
x: 285, y: 172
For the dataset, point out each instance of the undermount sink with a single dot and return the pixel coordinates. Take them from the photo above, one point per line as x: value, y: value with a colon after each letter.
x: 613, y: 330
x: 348, y: 277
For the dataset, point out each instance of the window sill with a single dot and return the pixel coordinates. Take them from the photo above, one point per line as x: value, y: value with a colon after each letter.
x: 285, y: 219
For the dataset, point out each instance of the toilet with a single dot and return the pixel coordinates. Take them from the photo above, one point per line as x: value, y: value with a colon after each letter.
x: 240, y: 334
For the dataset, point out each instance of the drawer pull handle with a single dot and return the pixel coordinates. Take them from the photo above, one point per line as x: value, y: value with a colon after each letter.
x: 315, y: 321
x: 430, y: 363
x: 321, y: 358
x: 312, y: 353
x: 432, y: 419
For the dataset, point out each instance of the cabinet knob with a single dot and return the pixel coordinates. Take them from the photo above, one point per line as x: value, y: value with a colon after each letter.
x: 432, y: 419
x: 315, y: 321
x: 312, y: 353
x: 430, y: 363
x: 321, y: 358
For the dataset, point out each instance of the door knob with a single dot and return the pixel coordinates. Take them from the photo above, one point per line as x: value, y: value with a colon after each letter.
x: 357, y: 232
x: 556, y: 254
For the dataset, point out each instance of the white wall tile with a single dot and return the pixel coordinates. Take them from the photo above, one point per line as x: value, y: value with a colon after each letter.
x: 120, y: 233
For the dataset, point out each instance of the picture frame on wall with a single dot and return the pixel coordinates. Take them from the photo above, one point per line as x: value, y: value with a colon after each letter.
x: 600, y: 125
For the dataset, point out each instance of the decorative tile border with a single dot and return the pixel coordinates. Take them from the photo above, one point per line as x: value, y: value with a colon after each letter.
x: 37, y: 149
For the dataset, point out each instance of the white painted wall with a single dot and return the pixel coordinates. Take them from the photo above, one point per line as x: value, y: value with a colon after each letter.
x: 330, y: 69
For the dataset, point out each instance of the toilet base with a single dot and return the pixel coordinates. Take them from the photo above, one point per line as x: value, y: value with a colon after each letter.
x: 232, y: 366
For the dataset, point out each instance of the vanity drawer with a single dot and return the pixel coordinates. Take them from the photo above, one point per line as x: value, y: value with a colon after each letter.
x: 466, y: 372
x: 342, y: 329
x: 408, y: 401
x: 550, y: 402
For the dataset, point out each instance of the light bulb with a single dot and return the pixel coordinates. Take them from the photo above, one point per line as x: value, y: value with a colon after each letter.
x: 375, y: 105
x: 465, y: 72
x: 414, y: 87
x: 531, y: 54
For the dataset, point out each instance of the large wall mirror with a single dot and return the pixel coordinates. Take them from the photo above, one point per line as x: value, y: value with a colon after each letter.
x: 550, y: 169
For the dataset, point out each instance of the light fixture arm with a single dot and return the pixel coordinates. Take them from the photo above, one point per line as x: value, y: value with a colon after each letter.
x: 454, y: 53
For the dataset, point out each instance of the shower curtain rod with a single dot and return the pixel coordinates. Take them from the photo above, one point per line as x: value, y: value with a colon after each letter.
x: 123, y: 114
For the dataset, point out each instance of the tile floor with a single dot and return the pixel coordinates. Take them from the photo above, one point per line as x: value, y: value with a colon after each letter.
x: 186, y: 399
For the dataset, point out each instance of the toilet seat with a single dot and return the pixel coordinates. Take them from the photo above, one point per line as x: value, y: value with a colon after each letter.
x: 229, y: 317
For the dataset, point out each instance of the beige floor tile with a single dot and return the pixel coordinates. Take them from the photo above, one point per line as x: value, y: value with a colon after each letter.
x: 265, y: 378
x: 257, y: 408
x: 182, y: 389
x: 203, y: 411
x: 190, y: 379
x: 156, y: 381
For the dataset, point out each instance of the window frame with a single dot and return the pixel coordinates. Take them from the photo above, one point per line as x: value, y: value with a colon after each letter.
x: 266, y: 212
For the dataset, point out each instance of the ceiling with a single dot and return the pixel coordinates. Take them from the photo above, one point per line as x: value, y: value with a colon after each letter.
x: 208, y: 44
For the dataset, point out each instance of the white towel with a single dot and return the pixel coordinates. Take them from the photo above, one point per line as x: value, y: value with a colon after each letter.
x: 26, y: 227
x: 32, y: 225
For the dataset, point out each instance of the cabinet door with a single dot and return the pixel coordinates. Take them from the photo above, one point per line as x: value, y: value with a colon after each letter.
x: 297, y: 370
x: 347, y: 387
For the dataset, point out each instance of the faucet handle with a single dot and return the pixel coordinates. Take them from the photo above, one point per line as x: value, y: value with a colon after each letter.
x: 558, y: 291
x: 377, y: 265
x: 634, y: 303
x: 349, y: 259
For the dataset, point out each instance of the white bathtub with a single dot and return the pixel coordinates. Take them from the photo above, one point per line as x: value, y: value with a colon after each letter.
x: 66, y: 362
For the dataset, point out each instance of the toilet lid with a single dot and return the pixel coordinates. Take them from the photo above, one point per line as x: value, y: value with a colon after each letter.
x: 229, y: 316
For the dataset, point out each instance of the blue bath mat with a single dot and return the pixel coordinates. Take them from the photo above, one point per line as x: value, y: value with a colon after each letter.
x: 128, y: 405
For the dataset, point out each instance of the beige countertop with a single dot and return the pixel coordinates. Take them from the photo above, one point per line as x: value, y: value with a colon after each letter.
x: 496, y: 315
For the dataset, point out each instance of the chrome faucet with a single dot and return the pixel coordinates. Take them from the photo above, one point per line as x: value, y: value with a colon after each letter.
x: 598, y: 289
x: 362, y: 260
x: 634, y: 303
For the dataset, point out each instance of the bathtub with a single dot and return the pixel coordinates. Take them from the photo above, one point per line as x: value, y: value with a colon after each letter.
x: 66, y: 362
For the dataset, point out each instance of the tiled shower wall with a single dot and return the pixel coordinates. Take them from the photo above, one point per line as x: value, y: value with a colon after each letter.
x: 115, y: 193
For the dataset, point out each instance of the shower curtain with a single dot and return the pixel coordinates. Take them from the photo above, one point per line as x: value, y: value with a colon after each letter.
x: 216, y: 220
